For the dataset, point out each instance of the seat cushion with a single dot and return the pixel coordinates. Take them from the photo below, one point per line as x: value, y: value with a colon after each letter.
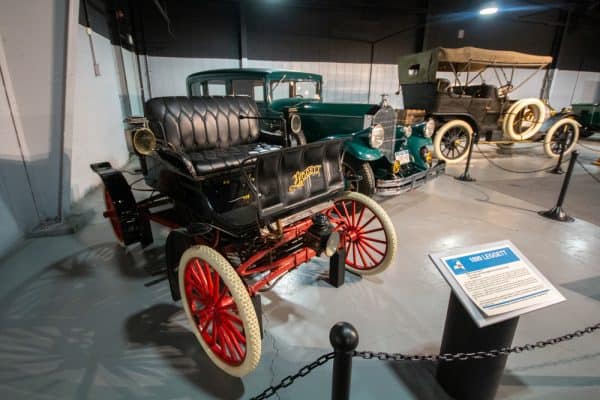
x: 194, y: 124
x: 216, y: 160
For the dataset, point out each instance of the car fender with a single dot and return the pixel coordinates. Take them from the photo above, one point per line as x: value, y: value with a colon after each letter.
x: 357, y: 146
x: 414, y: 145
x: 548, y: 123
x: 464, y: 116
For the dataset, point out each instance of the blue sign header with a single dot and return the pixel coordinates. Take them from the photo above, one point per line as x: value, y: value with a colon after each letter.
x: 478, y: 261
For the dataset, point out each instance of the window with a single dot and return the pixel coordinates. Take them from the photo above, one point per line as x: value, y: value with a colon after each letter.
x: 246, y: 87
x: 413, y: 70
x: 306, y: 89
x: 280, y: 90
x: 303, y: 89
x: 196, y: 88
x: 216, y: 88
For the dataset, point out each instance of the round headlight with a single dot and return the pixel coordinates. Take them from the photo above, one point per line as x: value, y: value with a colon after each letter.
x: 295, y: 123
x: 408, y: 131
x: 429, y: 128
x: 376, y: 137
x: 332, y: 244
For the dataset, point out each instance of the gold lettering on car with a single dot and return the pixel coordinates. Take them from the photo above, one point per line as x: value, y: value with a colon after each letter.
x: 300, y: 177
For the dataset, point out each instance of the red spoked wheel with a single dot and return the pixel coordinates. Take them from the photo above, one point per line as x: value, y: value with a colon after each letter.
x: 369, y: 235
x: 220, y: 310
x: 111, y: 214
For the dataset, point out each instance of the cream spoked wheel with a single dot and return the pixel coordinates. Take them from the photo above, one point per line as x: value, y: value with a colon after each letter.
x: 565, y: 131
x: 451, y: 142
x: 220, y: 310
x: 524, y: 119
x: 369, y: 236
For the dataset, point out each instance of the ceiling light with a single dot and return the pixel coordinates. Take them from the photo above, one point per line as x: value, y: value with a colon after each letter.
x: 488, y: 9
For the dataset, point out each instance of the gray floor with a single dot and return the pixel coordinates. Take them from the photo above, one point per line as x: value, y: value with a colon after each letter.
x: 76, y: 321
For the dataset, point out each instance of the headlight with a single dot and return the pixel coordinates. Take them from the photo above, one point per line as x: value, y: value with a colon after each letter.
x: 295, y: 123
x: 429, y: 128
x: 376, y: 138
x: 408, y: 131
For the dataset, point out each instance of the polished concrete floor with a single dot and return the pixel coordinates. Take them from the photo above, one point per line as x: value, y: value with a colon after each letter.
x: 77, y: 322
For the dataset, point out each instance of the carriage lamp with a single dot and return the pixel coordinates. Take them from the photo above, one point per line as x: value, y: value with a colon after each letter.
x: 429, y: 128
x: 333, y: 243
x: 319, y: 235
x: 426, y: 155
x: 376, y: 137
x: 408, y: 131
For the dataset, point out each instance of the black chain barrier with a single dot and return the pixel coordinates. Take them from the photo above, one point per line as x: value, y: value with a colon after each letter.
x: 446, y: 357
x: 587, y: 171
x: 513, y: 170
x: 288, y: 380
x: 588, y: 147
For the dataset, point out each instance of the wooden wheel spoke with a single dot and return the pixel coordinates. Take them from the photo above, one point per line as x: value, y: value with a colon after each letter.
x: 373, y: 239
x: 232, y: 318
x: 235, y: 331
x: 368, y: 253
x: 233, y: 343
x: 360, y: 228
x: 346, y: 212
x: 360, y: 253
x: 372, y: 231
x: 362, y: 212
x: 375, y: 249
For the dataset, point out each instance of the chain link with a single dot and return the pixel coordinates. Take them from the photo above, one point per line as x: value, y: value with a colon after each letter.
x: 548, y: 168
x: 446, y: 357
x: 477, y: 355
x: 288, y: 380
x: 588, y: 147
x: 594, y: 177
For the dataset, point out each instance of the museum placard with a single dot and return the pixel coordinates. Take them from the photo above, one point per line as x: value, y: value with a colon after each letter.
x: 495, y: 281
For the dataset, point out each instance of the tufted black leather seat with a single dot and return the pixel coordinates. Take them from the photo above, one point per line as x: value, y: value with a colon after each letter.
x: 208, y: 129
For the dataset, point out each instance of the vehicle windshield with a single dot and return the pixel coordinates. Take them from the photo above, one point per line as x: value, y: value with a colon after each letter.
x: 306, y: 89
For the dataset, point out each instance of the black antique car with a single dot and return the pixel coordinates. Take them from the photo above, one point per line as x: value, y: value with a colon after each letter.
x: 470, y: 104
x: 244, y: 207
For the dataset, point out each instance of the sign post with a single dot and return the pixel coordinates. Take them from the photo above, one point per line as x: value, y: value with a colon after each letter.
x: 492, y: 285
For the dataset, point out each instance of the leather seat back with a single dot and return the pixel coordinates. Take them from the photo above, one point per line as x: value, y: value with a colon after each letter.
x: 198, y: 123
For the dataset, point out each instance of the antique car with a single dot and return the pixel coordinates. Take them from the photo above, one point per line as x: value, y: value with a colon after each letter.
x: 243, y: 207
x: 469, y: 104
x: 588, y: 115
x: 387, y: 151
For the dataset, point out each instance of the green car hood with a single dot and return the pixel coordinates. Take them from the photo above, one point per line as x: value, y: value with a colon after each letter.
x: 320, y: 120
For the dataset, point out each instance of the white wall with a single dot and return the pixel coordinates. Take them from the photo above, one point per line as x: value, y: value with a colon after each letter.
x: 167, y: 74
x: 34, y: 37
x: 97, y: 126
x: 17, y: 212
x: 344, y: 82
x: 574, y: 87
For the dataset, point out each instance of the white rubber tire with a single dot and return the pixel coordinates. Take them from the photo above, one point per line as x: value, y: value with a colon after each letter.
x: 245, y: 308
x: 537, y: 106
x: 388, y: 228
x: 437, y: 140
x: 552, y: 131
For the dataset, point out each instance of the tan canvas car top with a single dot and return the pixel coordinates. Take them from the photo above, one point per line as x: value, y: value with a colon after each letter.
x: 422, y: 67
x: 481, y: 58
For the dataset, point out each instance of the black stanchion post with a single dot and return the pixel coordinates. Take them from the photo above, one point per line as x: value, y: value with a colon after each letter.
x: 472, y: 379
x: 557, y: 213
x: 344, y: 339
x: 558, y: 169
x: 465, y: 177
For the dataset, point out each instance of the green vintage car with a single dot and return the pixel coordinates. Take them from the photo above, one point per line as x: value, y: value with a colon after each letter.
x: 382, y: 154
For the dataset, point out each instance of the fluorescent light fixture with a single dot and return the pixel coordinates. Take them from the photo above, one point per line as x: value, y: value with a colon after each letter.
x: 488, y: 11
